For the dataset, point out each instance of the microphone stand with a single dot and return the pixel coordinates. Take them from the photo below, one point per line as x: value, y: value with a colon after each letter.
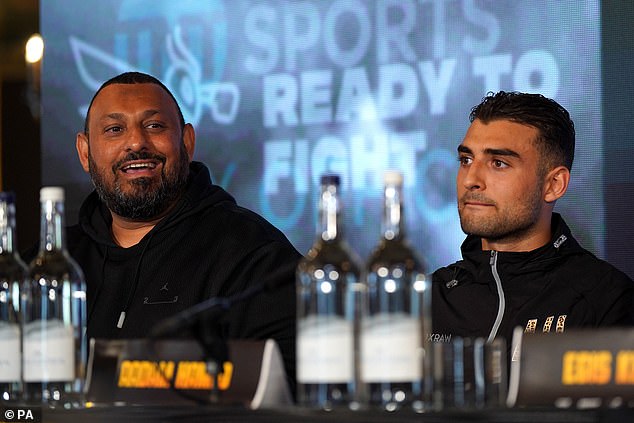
x: 190, y: 316
x: 213, y: 340
x: 212, y: 337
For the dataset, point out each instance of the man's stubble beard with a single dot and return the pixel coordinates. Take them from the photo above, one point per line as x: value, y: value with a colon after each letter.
x: 148, y: 198
x: 507, y: 224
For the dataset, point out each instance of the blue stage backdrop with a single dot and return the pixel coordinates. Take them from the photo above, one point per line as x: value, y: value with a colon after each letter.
x: 283, y: 91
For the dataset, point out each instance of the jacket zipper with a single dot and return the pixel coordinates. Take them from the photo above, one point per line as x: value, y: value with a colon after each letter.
x: 502, y: 303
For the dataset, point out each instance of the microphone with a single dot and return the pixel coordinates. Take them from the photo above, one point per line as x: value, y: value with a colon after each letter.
x: 189, y: 316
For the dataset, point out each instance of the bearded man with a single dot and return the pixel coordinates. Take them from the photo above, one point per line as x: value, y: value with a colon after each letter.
x: 157, y: 236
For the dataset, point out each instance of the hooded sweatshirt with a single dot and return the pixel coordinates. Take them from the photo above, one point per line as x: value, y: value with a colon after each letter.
x: 550, y: 289
x: 207, y: 246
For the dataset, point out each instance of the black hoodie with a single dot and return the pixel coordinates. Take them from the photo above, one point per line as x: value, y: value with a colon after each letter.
x: 206, y: 247
x: 550, y: 289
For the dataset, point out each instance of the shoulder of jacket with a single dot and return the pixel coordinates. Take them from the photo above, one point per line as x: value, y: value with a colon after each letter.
x: 589, y: 275
x: 234, y: 223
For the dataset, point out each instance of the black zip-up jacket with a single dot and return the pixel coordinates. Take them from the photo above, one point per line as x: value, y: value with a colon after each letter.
x: 550, y: 289
x: 206, y: 247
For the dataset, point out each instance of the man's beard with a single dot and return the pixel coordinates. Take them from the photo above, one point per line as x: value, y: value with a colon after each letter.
x: 507, y: 224
x: 147, y: 199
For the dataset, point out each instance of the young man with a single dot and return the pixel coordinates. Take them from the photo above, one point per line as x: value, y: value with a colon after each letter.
x: 156, y: 236
x: 521, y: 265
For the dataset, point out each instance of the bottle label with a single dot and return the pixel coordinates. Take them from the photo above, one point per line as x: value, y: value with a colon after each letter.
x: 325, y: 350
x: 10, y: 358
x: 49, y: 352
x: 391, y: 349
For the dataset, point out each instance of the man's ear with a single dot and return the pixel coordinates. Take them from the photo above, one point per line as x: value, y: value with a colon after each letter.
x: 556, y: 184
x: 83, y: 150
x: 189, y: 140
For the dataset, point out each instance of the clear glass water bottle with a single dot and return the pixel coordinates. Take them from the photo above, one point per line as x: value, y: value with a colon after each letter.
x: 54, y: 315
x: 396, y: 313
x: 12, y: 274
x: 328, y: 280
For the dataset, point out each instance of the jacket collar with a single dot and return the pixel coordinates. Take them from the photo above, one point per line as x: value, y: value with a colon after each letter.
x: 561, y: 244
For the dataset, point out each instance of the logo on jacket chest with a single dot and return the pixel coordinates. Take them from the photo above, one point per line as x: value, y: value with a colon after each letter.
x: 163, y: 296
x: 547, y: 326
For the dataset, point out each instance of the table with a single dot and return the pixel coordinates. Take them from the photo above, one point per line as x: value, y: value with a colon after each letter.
x: 195, y: 414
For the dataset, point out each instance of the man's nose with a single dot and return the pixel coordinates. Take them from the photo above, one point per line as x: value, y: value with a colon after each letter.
x: 473, y: 177
x: 137, y: 139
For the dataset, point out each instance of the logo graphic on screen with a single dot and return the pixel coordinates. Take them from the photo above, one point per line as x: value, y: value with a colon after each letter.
x: 182, y: 68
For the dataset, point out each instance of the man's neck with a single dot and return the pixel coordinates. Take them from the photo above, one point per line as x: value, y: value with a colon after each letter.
x: 534, y: 238
x: 127, y: 233
x: 529, y: 243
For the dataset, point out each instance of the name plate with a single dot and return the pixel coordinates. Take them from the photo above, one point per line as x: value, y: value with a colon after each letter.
x: 172, y: 372
x: 578, y: 368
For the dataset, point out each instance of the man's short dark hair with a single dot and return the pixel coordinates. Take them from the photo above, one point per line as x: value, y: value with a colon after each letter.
x: 134, y: 78
x: 556, y: 140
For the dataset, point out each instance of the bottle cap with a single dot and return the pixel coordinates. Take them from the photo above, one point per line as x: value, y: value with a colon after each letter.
x: 393, y: 177
x: 330, y: 179
x: 7, y: 196
x: 52, y: 194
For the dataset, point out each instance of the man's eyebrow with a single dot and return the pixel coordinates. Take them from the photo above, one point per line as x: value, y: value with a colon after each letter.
x: 115, y: 116
x: 464, y: 149
x: 150, y: 112
x: 501, y: 152
x: 121, y: 116
x: 490, y: 151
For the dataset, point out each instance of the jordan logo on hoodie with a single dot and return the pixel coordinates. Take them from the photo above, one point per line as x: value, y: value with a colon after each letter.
x: 161, y: 299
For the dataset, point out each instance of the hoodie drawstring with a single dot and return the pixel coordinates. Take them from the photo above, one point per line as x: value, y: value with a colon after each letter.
x: 137, y: 272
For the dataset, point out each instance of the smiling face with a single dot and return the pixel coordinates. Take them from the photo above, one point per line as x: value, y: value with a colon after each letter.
x: 135, y: 150
x: 504, y: 195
